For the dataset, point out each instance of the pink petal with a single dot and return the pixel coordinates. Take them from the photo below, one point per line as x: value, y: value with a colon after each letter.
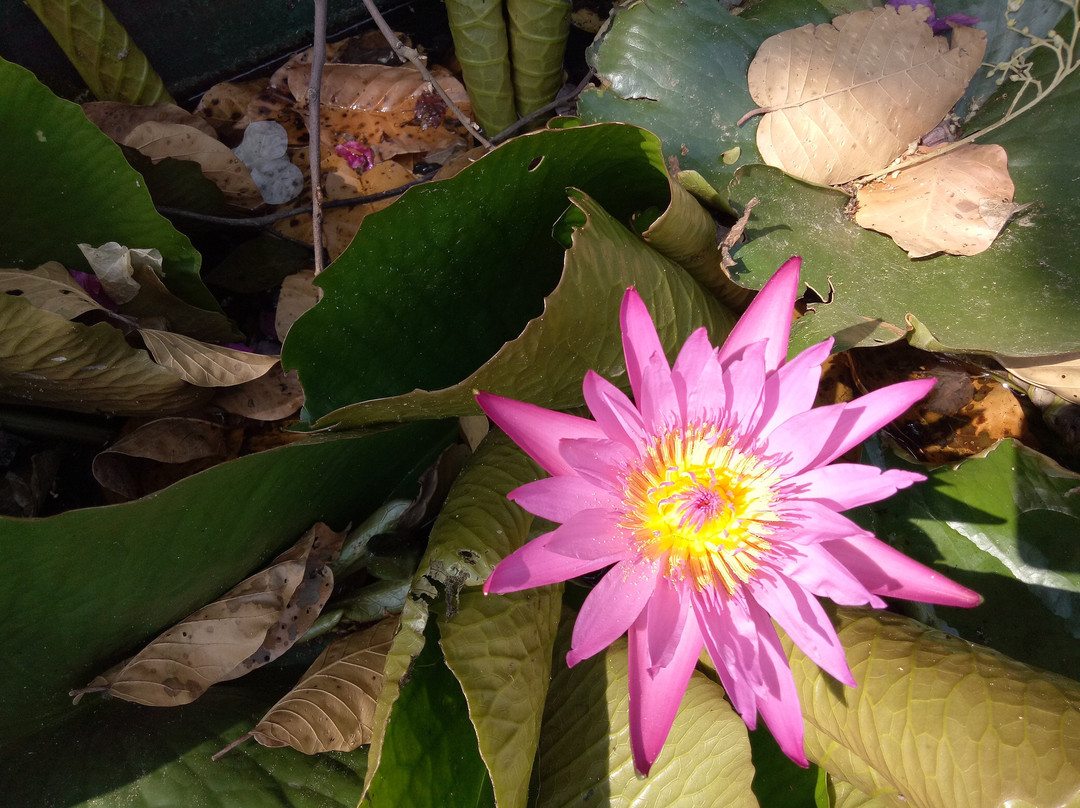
x: 768, y: 317
x: 809, y: 522
x: 560, y: 498
x: 779, y: 702
x: 659, y: 404
x: 793, y: 388
x: 848, y: 485
x: 802, y: 617
x: 694, y: 356
x: 797, y: 443
x: 744, y: 380
x: 615, y: 413
x: 536, y: 430
x: 590, y: 535
x: 886, y: 571
x: 535, y: 565
x: 655, y: 694
x: 666, y: 616
x: 704, y: 397
x: 730, y: 636
x: 612, y: 606
x: 640, y: 340
x: 818, y: 572
x: 598, y: 461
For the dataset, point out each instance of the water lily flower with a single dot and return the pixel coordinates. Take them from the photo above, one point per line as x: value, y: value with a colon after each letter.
x: 712, y: 499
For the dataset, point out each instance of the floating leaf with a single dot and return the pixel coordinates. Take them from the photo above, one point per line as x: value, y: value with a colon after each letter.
x: 845, y: 99
x: 253, y: 623
x: 937, y: 722
x: 1058, y: 374
x: 956, y: 203
x: 332, y: 706
x: 202, y: 364
x: 585, y: 757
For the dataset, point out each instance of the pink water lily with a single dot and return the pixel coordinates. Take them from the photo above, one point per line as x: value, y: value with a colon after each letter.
x: 711, y: 497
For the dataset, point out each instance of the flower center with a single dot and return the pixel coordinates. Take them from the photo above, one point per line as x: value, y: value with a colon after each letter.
x: 703, y: 505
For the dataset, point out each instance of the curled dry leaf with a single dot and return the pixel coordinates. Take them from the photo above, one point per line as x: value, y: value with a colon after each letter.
x: 956, y: 203
x: 271, y: 397
x: 117, y: 120
x: 1058, y: 374
x: 332, y: 706
x: 844, y: 99
x: 160, y: 140
x: 251, y: 624
x: 49, y: 288
x: 202, y: 364
x: 161, y: 452
x: 115, y: 266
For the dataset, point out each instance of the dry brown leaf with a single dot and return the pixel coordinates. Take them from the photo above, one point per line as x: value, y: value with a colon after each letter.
x: 847, y: 98
x: 246, y: 627
x: 202, y: 364
x: 225, y: 105
x: 271, y: 397
x: 297, y: 296
x: 1058, y: 374
x: 50, y: 361
x: 115, y: 265
x: 50, y: 288
x: 332, y: 706
x: 956, y: 203
x: 160, y: 140
x: 117, y: 120
x: 157, y: 454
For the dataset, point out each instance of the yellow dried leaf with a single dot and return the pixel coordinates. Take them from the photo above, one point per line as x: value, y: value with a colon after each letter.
x: 160, y: 140
x: 251, y: 624
x: 50, y: 288
x: 117, y: 120
x: 847, y: 98
x: 333, y: 705
x: 1058, y: 374
x: 297, y: 296
x: 956, y: 203
x: 202, y: 364
x: 271, y: 397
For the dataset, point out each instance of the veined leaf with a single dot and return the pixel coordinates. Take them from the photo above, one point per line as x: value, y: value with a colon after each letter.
x: 483, y: 48
x: 538, y: 31
x: 203, y: 364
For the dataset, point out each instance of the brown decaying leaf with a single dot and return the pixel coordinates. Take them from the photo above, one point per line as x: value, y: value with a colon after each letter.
x: 115, y: 264
x: 117, y: 120
x: 332, y: 706
x: 1058, y: 374
x: 160, y: 140
x: 157, y: 454
x: 202, y: 364
x: 250, y: 625
x: 270, y: 397
x: 298, y: 294
x: 225, y: 107
x: 49, y: 288
x: 847, y: 98
x: 956, y: 203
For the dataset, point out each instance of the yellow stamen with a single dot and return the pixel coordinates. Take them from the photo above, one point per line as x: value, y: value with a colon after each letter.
x: 703, y: 505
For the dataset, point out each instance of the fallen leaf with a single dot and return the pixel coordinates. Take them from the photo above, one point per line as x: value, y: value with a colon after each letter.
x: 114, y: 265
x: 159, y: 453
x: 50, y: 361
x: 1058, y: 374
x: 156, y: 305
x: 202, y: 364
x: 332, y: 706
x: 49, y: 288
x: 245, y: 628
x: 225, y: 105
x: 117, y: 120
x: 956, y: 203
x: 297, y: 296
x: 160, y: 140
x: 271, y: 397
x: 844, y: 99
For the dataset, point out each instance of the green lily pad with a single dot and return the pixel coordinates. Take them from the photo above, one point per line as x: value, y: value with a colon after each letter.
x: 678, y: 68
x: 105, y: 579
x: 1006, y: 524
x: 423, y: 289
x: 938, y: 722
x: 73, y: 185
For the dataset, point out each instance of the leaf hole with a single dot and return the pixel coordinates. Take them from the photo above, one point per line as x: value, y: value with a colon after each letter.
x: 535, y: 164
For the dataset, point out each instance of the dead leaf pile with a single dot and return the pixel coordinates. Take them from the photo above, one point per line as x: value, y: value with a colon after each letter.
x: 252, y: 624
x: 851, y: 98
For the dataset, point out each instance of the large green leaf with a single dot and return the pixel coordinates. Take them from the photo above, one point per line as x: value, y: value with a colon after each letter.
x: 498, y: 646
x: 585, y: 757
x: 67, y: 183
x: 1007, y: 524
x: 678, y: 68
x: 121, y: 755
x: 82, y: 588
x: 437, y: 283
x: 937, y: 722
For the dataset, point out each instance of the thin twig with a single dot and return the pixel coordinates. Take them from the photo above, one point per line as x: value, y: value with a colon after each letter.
x: 314, y: 99
x: 521, y: 123
x: 413, y: 57
x: 270, y: 218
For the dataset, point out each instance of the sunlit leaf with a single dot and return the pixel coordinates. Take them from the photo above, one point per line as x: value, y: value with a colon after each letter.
x: 1058, y: 374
